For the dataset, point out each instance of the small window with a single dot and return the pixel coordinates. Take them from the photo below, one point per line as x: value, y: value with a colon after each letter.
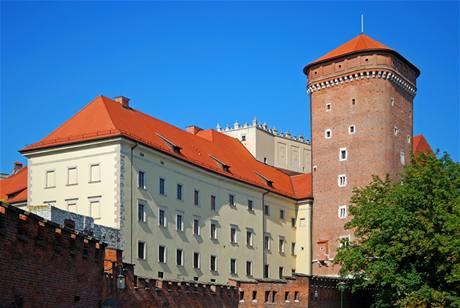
x: 328, y: 107
x: 328, y: 134
x: 213, y: 264
x: 141, y: 215
x: 249, y: 269
x: 267, y: 296
x: 233, y: 266
x: 179, y: 257
x: 231, y: 200
x: 274, y: 296
x: 315, y: 167
x: 213, y: 203
x: 243, y: 138
x: 196, y: 260
x: 233, y: 234
x: 282, y: 214
x: 72, y: 177
x: 162, y: 187
x: 241, y: 296
x: 179, y: 222
x: 267, y: 241
x: 267, y: 210
x: 95, y: 208
x: 281, y: 245
x: 286, y: 296
x: 196, y: 226
x: 249, y: 238
x: 250, y: 205
x: 342, y: 180
x: 293, y: 222
x: 296, y: 296
x: 396, y: 131
x: 179, y: 191
x: 214, y: 230
x: 343, y: 154
x: 266, y: 271
x: 409, y: 139
x: 280, y: 272
x: 392, y: 101
x: 72, y: 205
x: 95, y: 173
x: 162, y: 254
x: 342, y: 211
x: 161, y: 217
x: 141, y: 251
x: 293, y: 249
x: 353, y: 101
x: 50, y: 179
x: 402, y: 158
x: 161, y: 274
x: 265, y: 160
x: 344, y: 241
x: 141, y: 180
x: 351, y: 129
x: 254, y: 296
x: 196, y: 197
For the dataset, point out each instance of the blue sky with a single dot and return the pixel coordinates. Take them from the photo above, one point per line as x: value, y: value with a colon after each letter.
x: 205, y: 63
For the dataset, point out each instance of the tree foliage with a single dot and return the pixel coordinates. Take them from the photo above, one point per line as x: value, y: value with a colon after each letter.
x: 407, y: 233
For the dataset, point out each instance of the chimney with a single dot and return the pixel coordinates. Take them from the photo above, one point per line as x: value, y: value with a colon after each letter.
x: 124, y: 101
x: 16, y: 167
x: 193, y: 129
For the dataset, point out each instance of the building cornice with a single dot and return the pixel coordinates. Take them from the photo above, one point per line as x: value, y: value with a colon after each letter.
x: 390, y: 75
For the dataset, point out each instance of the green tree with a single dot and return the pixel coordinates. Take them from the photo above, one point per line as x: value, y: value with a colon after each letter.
x: 407, y: 243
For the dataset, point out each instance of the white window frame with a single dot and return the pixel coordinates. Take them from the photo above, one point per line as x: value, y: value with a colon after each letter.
x: 339, y: 211
x: 214, y: 235
x: 250, y: 240
x: 164, y: 254
x: 68, y: 175
x: 144, y: 179
x: 235, y: 272
x: 165, y: 224
x: 198, y: 261
x: 53, y: 172
x: 339, y: 182
x: 91, y: 180
x: 144, y: 257
x: 72, y: 202
x: 198, y: 230
x: 180, y: 227
x: 181, y: 257
x: 340, y: 154
x: 235, y: 240
x: 215, y: 263
x: 281, y: 244
x: 330, y: 133
x: 268, y: 244
x: 144, y: 213
x: 350, y: 132
x: 250, y: 268
x: 95, y: 199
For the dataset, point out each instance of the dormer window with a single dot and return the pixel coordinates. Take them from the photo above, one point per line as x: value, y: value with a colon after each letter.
x: 267, y: 181
x: 174, y: 147
x: 224, y: 166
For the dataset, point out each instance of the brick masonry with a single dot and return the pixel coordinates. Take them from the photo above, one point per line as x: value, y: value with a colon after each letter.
x: 376, y: 106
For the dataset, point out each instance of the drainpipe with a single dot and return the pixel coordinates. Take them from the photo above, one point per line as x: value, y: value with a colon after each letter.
x: 132, y: 197
x: 264, y: 253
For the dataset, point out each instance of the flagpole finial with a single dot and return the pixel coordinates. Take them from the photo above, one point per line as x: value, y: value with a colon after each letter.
x: 362, y: 23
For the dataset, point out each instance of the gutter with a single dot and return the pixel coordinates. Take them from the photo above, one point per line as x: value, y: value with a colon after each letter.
x: 132, y: 197
x: 264, y: 253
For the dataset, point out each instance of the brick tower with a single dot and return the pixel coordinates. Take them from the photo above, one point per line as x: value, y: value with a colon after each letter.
x: 361, y: 124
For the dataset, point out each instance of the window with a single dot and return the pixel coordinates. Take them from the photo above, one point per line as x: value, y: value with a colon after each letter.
x: 392, y: 101
x: 327, y: 134
x: 233, y: 266
x: 302, y: 222
x: 267, y: 210
x: 196, y: 260
x: 267, y: 241
x: 249, y: 238
x: 50, y: 203
x: 141, y: 180
x: 293, y: 222
x: 161, y: 274
x: 265, y: 160
x: 353, y: 101
x: 72, y: 205
x: 293, y: 248
x: 267, y: 296
x: 402, y: 158
x: 141, y: 215
x: 266, y: 271
x: 95, y: 207
x: 281, y: 244
x: 328, y: 107
x: 408, y: 139
x: 282, y: 214
x: 196, y: 226
x: 213, y: 263
x: 213, y: 203
x: 343, y: 154
x: 342, y: 180
x: 162, y: 254
x: 241, y: 296
x: 161, y: 217
x: 351, y: 129
x: 94, y: 173
x: 248, y: 268
x: 180, y: 221
x: 231, y: 200
x: 141, y: 250
x: 342, y: 211
x: 179, y: 191
x: 396, y: 131
x: 344, y: 240
x: 162, y: 187
x: 243, y: 138
x: 72, y: 177
x: 274, y: 296
x: 250, y: 205
x: 286, y: 296
x: 254, y: 296
x: 50, y: 179
x: 179, y: 257
x: 214, y: 230
x: 280, y: 272
x: 233, y: 233
x: 296, y: 296
x: 196, y: 197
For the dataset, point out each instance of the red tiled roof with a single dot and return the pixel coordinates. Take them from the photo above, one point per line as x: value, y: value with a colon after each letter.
x: 13, y: 189
x: 104, y: 118
x: 361, y: 43
x: 420, y: 145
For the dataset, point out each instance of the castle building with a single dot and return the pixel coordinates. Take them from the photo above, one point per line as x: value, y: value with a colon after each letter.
x: 241, y: 203
x: 361, y: 106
